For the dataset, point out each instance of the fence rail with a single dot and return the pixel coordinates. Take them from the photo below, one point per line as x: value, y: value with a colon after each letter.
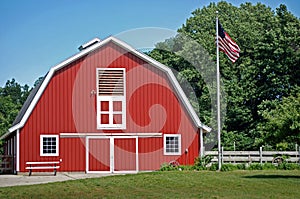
x: 255, y: 156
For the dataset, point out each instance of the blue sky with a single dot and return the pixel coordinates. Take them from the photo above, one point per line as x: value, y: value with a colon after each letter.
x: 36, y: 35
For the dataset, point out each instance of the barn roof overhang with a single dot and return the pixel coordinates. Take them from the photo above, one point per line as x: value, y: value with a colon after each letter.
x: 37, y: 92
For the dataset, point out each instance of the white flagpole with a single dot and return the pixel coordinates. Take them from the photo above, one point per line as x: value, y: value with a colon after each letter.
x: 218, y: 96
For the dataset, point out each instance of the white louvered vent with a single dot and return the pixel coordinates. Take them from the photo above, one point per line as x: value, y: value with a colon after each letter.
x: 111, y: 98
x: 110, y: 82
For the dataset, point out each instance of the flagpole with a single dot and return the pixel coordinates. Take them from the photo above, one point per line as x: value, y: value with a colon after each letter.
x: 218, y: 96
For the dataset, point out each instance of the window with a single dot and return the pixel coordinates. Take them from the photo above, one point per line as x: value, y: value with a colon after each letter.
x: 111, y: 106
x: 172, y: 144
x: 49, y: 145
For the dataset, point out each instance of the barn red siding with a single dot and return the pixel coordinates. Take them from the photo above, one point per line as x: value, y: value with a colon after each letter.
x: 73, y: 154
x: 68, y: 106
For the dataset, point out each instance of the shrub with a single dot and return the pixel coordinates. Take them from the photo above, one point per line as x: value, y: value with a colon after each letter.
x: 202, y: 163
x: 255, y: 166
x: 205, y: 164
x: 167, y: 167
x: 288, y: 166
x: 267, y: 166
x: 241, y: 166
x: 186, y: 167
x: 199, y: 168
x: 228, y: 167
x: 213, y: 167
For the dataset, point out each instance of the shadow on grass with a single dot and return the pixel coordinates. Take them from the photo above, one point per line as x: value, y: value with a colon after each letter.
x: 273, y: 176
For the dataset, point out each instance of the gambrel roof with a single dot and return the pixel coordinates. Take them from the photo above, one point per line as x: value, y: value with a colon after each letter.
x: 37, y: 92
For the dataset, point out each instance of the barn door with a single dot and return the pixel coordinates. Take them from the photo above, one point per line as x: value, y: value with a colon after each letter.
x: 112, y: 154
x: 99, y: 155
x: 125, y: 154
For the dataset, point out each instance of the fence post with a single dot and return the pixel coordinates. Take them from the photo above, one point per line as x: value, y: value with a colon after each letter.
x: 299, y: 154
x: 260, y: 155
x: 296, y: 149
x: 222, y: 150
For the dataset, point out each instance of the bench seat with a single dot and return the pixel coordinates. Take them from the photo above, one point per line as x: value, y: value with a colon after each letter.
x: 46, y: 167
x: 42, y: 165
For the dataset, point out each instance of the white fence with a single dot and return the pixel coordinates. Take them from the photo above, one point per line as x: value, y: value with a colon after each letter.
x: 255, y: 156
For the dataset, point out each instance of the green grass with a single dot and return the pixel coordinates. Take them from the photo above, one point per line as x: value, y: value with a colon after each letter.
x: 172, y: 184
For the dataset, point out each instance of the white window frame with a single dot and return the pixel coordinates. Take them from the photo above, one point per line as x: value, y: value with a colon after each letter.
x: 110, y: 99
x: 165, y: 144
x: 41, y: 145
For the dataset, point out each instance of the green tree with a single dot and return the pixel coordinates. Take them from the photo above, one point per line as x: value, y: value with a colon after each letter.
x: 282, y: 126
x: 38, y: 81
x: 12, y: 97
x: 268, y: 68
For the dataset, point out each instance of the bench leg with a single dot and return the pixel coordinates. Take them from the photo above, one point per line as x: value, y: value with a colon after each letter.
x: 54, y: 169
x: 29, y: 172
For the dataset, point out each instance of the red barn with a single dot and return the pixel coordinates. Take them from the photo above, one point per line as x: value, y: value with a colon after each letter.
x: 109, y: 108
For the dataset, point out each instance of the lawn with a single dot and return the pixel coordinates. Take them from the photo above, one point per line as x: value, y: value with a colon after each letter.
x: 172, y: 184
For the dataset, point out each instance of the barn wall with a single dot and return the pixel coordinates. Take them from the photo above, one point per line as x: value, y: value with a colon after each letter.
x: 73, y: 154
x: 68, y: 106
x: 151, y: 153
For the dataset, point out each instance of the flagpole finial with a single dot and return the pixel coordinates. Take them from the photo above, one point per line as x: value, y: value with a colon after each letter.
x: 217, y: 12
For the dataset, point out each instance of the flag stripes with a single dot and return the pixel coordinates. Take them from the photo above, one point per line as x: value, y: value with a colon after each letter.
x: 228, y: 45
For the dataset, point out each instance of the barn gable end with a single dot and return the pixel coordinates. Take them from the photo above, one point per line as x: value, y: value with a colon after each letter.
x: 138, y: 113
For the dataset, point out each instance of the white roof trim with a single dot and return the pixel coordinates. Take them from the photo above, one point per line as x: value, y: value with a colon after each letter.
x: 155, y: 63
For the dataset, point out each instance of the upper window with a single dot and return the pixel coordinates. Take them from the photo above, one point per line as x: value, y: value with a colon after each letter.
x: 49, y: 145
x: 172, y: 144
x: 111, y: 106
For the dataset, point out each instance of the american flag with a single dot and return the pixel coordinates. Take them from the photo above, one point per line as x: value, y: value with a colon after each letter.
x: 227, y: 45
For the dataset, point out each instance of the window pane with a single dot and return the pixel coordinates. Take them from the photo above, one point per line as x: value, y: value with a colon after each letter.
x: 117, y: 118
x: 104, y: 105
x: 104, y: 119
x: 117, y: 105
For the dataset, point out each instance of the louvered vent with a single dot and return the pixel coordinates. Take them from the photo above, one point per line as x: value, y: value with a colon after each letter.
x: 111, y: 82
